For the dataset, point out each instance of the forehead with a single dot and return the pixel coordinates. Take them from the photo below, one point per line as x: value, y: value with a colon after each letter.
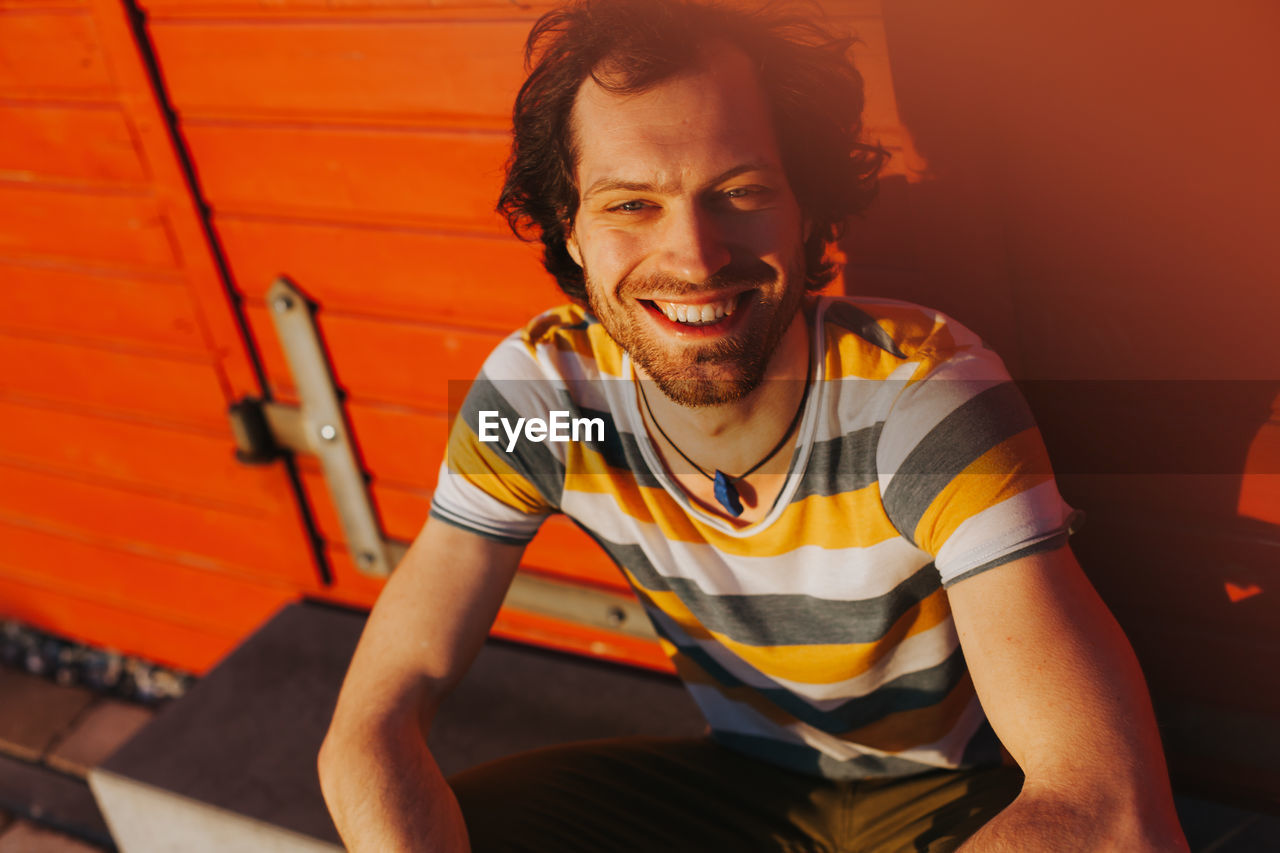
x: 703, y: 121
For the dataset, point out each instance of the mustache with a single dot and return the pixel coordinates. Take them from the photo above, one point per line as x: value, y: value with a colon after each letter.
x: 745, y: 276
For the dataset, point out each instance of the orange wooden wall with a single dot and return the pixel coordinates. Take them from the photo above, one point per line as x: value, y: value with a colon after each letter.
x: 124, y: 521
x: 356, y: 147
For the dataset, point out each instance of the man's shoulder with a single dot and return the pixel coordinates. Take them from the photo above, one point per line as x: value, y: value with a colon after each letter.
x: 555, y: 323
x: 569, y: 340
x: 891, y: 332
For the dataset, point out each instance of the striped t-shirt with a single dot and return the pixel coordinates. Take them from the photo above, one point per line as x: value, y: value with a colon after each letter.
x: 820, y: 637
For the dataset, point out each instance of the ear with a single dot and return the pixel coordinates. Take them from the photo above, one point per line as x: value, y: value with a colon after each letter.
x: 571, y: 243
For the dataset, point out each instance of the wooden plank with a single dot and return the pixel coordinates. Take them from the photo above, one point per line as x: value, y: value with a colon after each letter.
x: 42, y: 5
x: 401, y: 511
x: 149, y: 311
x: 136, y: 453
x: 350, y: 586
x: 569, y: 637
x: 52, y: 53
x: 87, y: 143
x: 166, y: 641
x: 368, y: 80
x: 421, y: 72
x: 168, y: 388
x: 157, y: 141
x: 379, y: 360
x: 397, y: 446
x: 201, y: 597
x: 443, y: 179
x: 526, y: 8
x: 233, y: 538
x: 562, y: 550
x: 362, y: 8
x: 352, y: 589
x: 439, y: 278
x: 128, y: 230
x: 559, y: 550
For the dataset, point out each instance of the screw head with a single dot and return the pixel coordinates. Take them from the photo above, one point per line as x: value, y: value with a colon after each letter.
x: 328, y: 432
x: 282, y: 303
x: 615, y: 616
x: 364, y: 559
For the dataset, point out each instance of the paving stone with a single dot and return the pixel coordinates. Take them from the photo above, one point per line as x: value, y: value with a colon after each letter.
x: 35, y: 712
x: 99, y: 731
x: 53, y: 798
x: 26, y: 837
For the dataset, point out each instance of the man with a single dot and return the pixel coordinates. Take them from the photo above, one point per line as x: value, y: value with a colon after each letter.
x: 819, y: 501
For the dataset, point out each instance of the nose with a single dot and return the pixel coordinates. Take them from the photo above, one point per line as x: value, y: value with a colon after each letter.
x: 693, y: 244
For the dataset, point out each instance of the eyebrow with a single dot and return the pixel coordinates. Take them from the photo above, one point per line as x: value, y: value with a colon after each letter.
x: 669, y: 187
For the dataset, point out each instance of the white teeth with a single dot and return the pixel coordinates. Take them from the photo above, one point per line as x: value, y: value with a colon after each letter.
x: 696, y: 315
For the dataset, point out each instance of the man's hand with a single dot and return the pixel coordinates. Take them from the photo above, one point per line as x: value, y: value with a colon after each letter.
x: 1063, y: 691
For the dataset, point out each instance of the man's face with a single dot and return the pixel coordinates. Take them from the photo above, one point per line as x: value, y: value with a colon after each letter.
x: 688, y: 233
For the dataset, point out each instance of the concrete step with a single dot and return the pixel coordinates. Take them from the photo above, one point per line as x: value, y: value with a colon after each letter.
x: 231, y: 765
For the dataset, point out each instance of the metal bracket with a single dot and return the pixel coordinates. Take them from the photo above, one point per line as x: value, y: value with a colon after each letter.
x: 265, y: 429
x: 323, y: 428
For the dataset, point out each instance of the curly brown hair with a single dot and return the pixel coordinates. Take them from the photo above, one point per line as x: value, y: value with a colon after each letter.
x: 812, y: 88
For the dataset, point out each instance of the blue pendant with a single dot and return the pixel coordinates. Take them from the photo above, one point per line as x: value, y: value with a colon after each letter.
x: 727, y: 495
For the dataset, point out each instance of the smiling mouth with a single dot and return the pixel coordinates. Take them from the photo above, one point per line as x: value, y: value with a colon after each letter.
x: 704, y: 314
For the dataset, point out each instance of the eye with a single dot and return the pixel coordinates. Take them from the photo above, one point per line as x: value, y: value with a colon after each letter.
x: 633, y: 206
x: 749, y: 197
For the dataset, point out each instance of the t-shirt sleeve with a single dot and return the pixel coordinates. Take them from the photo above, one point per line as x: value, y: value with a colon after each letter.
x: 491, y: 483
x: 963, y: 470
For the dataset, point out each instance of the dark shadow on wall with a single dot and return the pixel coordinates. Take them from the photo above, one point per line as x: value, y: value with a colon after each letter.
x: 1100, y: 205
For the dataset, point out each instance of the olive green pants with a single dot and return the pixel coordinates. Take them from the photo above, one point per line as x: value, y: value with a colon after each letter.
x: 692, y: 794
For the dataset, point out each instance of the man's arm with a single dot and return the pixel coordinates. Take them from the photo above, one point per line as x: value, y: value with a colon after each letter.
x: 1063, y: 691
x: 383, y: 788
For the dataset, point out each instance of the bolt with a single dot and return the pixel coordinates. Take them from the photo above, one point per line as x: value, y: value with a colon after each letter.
x: 364, y: 559
x: 615, y: 616
x: 283, y: 303
x: 328, y: 432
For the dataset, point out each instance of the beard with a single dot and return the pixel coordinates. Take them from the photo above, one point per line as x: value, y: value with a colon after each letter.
x: 716, y: 371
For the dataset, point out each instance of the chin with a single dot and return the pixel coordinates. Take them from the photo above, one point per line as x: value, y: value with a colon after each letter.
x: 700, y: 384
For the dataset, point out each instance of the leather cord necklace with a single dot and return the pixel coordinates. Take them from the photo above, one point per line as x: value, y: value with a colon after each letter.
x: 725, y: 490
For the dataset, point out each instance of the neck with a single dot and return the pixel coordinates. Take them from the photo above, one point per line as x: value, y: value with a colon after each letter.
x: 734, y: 436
